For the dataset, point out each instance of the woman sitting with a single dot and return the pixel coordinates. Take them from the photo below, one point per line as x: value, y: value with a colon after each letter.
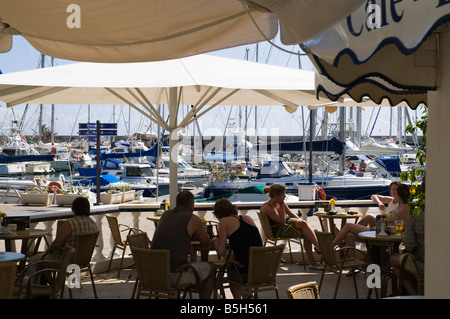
x: 279, y: 213
x: 242, y: 234
x: 397, y: 209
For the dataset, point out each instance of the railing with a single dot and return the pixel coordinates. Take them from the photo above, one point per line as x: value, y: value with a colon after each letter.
x: 140, y: 211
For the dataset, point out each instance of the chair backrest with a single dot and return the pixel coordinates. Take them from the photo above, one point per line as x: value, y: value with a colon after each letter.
x: 84, y: 247
x: 64, y: 262
x: 139, y: 240
x: 114, y: 227
x: 153, y: 268
x: 263, y: 264
x: 308, y: 290
x: 265, y: 224
x: 7, y: 278
x: 326, y: 247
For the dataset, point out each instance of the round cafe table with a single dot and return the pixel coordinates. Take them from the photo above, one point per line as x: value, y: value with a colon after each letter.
x: 323, y: 217
x: 25, y: 236
x: 378, y: 248
x: 9, y: 256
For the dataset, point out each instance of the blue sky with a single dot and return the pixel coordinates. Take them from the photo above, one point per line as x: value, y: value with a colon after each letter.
x: 24, y: 57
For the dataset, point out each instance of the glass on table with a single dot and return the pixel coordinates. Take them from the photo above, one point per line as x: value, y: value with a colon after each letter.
x: 398, y: 227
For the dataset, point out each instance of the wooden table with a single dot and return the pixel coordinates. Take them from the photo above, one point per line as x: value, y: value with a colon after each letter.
x: 378, y: 249
x: 331, y: 218
x: 154, y: 219
x: 9, y: 256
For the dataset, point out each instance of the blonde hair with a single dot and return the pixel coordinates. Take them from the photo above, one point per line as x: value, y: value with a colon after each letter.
x: 274, y: 190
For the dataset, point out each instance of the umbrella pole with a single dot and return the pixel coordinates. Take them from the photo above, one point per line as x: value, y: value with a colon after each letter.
x: 173, y: 150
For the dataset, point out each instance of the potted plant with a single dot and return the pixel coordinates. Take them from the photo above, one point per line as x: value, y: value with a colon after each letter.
x: 65, y: 197
x: 127, y: 193
x: 37, y: 196
x: 112, y: 196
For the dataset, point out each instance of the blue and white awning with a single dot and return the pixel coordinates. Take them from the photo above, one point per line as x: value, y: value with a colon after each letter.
x: 384, y: 49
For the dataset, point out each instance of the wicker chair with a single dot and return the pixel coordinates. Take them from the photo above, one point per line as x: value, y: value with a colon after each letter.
x: 307, y: 290
x: 337, y: 265
x: 153, y: 268
x: 414, y: 271
x: 274, y: 238
x: 262, y: 272
x: 84, y: 248
x: 119, y: 243
x: 53, y: 273
x: 7, y: 276
x: 138, y: 240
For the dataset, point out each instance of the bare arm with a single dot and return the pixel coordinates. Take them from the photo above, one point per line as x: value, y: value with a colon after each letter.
x: 197, y: 231
x: 278, y: 217
x: 381, y: 200
x: 220, y: 244
x: 62, y: 236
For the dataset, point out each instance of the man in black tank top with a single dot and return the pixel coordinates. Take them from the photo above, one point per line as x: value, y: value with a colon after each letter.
x: 175, y: 231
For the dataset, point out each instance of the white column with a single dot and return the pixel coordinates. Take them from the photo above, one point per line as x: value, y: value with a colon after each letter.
x: 437, y: 216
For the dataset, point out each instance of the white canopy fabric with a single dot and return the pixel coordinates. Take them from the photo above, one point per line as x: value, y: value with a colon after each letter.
x: 203, y: 81
x: 382, y: 50
x: 142, y: 30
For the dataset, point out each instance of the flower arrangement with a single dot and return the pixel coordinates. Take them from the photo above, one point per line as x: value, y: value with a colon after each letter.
x: 382, y: 216
x: 126, y: 188
x: 36, y: 190
x: 113, y: 190
x: 332, y: 204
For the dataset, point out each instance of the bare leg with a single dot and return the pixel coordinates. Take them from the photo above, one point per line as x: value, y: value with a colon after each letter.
x: 207, y: 285
x: 349, y: 228
x: 407, y: 282
x: 310, y: 239
x: 236, y: 291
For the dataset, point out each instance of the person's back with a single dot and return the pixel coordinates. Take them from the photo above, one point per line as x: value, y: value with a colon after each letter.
x: 80, y: 224
x: 242, y: 239
x: 172, y: 234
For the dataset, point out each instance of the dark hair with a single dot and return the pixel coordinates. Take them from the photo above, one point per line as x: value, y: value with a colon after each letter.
x: 394, y: 183
x: 224, y: 208
x: 403, y: 193
x: 274, y: 190
x: 81, y: 206
x: 185, y: 199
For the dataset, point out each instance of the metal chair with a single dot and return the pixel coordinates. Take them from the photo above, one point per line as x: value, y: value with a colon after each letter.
x: 274, y: 238
x: 119, y: 243
x: 337, y: 265
x: 84, y: 248
x: 307, y: 290
x: 262, y: 271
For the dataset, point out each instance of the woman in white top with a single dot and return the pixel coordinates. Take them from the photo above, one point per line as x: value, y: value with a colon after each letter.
x: 397, y: 209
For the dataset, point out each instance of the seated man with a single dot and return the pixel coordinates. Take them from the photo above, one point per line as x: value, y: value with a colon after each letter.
x: 413, y: 239
x: 175, y: 231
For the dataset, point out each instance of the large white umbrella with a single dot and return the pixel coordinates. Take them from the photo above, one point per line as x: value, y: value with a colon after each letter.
x: 202, y: 81
x: 399, y: 50
x: 143, y: 30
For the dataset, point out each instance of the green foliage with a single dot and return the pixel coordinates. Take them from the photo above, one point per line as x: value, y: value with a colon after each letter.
x: 416, y: 176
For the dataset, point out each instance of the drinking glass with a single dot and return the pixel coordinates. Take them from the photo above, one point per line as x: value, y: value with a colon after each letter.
x: 398, y: 227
